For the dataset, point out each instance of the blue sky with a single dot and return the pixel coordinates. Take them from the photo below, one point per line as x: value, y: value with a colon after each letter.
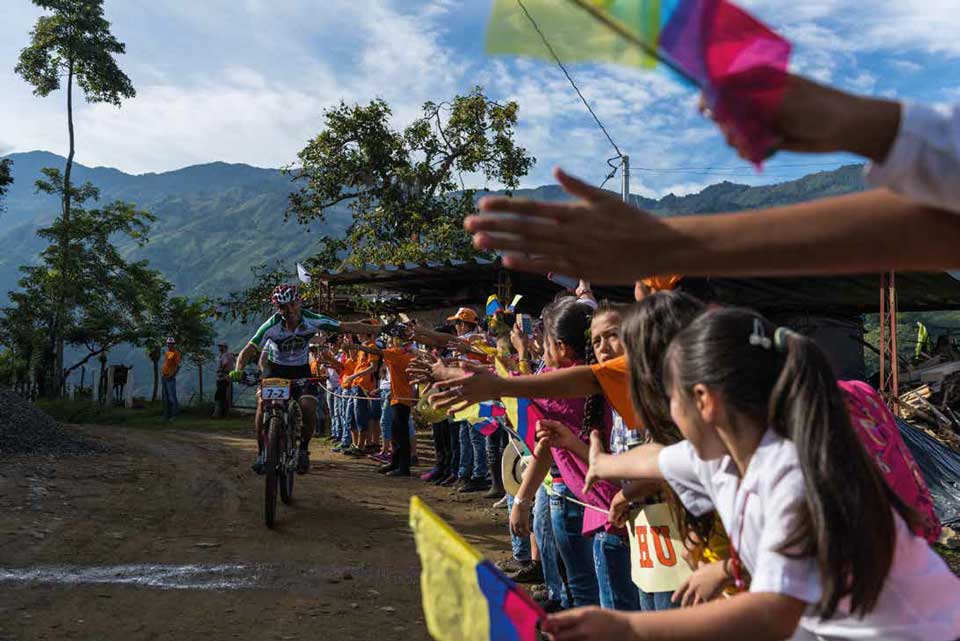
x: 247, y: 81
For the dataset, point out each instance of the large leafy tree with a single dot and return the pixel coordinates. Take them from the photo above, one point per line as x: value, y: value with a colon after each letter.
x: 406, y: 189
x: 72, y: 44
x: 110, y: 300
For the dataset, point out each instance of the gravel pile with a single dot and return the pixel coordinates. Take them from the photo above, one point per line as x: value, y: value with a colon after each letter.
x: 24, y: 429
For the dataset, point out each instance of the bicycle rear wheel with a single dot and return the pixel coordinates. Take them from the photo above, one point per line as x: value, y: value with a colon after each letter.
x: 273, y: 471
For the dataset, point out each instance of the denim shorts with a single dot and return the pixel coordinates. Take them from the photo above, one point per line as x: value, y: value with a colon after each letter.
x: 360, y: 407
x: 376, y: 406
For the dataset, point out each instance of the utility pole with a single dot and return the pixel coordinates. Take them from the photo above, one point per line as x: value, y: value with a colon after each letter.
x: 625, y: 173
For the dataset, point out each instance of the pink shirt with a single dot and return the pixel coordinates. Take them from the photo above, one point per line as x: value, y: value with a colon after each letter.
x: 573, y: 469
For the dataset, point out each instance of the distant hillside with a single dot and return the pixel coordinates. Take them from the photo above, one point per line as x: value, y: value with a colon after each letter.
x: 727, y: 196
x: 216, y: 220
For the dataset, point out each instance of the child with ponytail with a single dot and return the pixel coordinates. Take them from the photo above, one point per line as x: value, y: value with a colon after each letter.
x: 770, y: 447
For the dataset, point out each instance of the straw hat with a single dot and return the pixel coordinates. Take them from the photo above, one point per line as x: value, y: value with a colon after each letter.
x: 513, y: 466
x: 465, y: 315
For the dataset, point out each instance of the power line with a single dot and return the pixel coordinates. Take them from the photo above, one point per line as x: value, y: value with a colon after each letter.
x: 572, y: 83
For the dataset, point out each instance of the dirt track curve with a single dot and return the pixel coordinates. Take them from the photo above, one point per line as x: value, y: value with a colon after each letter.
x: 161, y: 537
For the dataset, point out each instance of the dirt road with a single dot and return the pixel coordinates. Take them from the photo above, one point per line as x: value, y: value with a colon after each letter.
x: 161, y: 537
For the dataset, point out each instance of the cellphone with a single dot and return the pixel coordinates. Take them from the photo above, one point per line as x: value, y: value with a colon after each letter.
x: 567, y: 282
x: 525, y: 323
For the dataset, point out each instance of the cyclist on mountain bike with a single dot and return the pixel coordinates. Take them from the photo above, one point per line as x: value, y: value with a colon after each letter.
x: 289, y: 330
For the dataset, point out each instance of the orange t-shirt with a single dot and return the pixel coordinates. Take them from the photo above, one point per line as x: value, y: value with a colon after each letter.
x: 397, y: 361
x: 364, y: 360
x: 615, y: 381
x: 349, y: 367
x: 170, y: 364
x: 662, y: 283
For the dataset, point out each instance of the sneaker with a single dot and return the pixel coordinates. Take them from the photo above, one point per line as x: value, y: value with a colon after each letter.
x: 258, y: 465
x: 303, y: 461
x: 529, y: 573
x: 510, y: 565
x: 398, y: 473
x: 353, y: 451
x: 474, y: 485
x: 549, y: 606
x: 450, y: 481
x: 428, y: 475
x: 337, y: 448
x: 502, y: 502
x: 439, y: 478
x: 385, y: 469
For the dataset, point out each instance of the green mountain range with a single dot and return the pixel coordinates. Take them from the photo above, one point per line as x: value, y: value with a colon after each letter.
x: 215, y: 221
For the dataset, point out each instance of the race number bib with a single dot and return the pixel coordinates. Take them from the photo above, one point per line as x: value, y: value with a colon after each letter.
x: 275, y: 393
x: 655, y: 547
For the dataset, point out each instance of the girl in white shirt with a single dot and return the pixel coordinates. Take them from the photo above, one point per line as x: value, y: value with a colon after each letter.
x: 770, y: 448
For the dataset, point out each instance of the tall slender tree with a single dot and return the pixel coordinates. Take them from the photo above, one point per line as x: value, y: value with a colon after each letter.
x: 5, y: 178
x: 72, y: 43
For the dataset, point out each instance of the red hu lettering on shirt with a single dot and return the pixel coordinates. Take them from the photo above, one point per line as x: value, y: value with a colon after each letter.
x: 662, y: 545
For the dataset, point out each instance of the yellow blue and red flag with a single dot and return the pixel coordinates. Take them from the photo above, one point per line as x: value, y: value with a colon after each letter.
x: 523, y: 414
x: 482, y: 416
x: 465, y: 597
x: 738, y: 62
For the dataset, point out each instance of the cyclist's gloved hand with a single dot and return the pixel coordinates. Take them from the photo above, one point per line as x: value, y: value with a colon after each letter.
x: 236, y: 376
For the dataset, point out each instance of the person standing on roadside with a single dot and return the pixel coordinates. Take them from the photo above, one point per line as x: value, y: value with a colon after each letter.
x: 224, y: 395
x: 171, y: 365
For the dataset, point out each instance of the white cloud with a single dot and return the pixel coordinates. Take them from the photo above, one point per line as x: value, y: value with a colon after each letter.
x: 248, y: 80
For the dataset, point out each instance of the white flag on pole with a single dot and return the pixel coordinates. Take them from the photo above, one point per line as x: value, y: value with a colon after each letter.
x: 303, y: 273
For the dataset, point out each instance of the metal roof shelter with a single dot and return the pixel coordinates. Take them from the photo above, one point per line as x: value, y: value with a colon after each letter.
x: 413, y: 286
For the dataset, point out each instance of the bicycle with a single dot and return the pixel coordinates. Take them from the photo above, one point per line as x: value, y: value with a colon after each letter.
x: 283, y: 422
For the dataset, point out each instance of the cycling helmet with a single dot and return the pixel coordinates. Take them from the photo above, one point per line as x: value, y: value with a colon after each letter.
x: 283, y: 294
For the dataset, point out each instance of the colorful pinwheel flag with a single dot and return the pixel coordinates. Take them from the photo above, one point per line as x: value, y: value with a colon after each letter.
x: 466, y: 598
x: 737, y: 62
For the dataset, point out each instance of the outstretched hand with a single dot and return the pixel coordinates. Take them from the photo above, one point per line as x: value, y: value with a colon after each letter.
x: 598, y: 236
x: 595, y: 460
x: 814, y: 118
x: 555, y: 434
x: 587, y: 624
x: 475, y: 383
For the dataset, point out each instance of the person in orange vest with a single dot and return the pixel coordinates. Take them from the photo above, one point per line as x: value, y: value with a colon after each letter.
x: 171, y: 365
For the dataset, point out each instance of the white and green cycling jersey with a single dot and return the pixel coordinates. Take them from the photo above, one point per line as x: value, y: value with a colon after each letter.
x: 292, y: 347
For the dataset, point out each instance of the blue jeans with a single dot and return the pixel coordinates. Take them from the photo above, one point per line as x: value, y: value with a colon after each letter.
x: 611, y: 556
x: 575, y: 549
x: 346, y: 418
x: 519, y: 545
x: 466, y: 451
x: 336, y: 416
x: 473, y: 453
x: 543, y: 532
x: 170, y: 405
x: 386, y: 415
x: 651, y: 601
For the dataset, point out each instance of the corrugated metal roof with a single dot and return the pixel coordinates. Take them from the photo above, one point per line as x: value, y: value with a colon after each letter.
x: 451, y: 283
